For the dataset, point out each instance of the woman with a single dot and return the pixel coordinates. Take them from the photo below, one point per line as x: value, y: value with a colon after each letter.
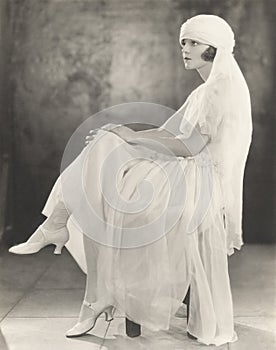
x: 145, y: 266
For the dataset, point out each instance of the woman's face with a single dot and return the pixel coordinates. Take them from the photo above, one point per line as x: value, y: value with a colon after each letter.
x: 192, y: 51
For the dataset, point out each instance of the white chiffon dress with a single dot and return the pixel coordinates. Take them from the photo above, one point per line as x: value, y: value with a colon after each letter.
x: 148, y: 282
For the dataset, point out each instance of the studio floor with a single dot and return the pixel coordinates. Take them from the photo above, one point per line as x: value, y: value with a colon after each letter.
x: 41, y: 294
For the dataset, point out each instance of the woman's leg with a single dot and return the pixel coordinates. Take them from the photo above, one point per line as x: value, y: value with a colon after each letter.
x: 96, y: 301
x: 52, y: 231
x: 58, y: 218
x: 94, y: 294
x: 91, y: 256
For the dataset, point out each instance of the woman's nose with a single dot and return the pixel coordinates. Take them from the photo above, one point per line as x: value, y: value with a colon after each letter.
x: 185, y: 48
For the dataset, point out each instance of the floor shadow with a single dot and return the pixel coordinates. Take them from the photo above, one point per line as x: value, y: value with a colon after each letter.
x: 3, y: 344
x: 88, y: 338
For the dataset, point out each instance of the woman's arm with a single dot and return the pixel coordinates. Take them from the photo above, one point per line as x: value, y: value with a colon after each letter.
x: 180, y: 148
x: 126, y: 132
x: 164, y: 142
x: 152, y: 133
x: 185, y: 147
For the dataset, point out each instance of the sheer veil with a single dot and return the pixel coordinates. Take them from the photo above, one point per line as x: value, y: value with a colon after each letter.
x: 222, y: 100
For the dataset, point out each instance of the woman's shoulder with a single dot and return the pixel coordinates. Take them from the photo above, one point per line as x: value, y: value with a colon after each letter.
x: 210, y: 93
x: 196, y: 93
x: 217, y: 91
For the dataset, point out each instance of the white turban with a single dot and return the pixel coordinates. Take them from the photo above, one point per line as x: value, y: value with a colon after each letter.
x: 209, y: 29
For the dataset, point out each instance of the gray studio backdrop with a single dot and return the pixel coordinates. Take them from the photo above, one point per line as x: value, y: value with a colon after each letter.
x: 63, y: 60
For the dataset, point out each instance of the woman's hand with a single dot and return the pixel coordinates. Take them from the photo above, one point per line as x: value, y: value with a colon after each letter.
x: 122, y: 131
x: 91, y: 135
x: 110, y: 126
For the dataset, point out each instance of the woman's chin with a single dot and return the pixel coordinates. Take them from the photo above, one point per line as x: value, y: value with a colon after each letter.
x: 187, y: 67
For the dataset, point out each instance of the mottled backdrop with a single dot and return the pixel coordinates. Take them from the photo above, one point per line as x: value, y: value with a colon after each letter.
x: 63, y: 60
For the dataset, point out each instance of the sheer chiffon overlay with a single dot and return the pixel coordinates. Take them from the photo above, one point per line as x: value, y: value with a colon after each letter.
x: 186, y: 246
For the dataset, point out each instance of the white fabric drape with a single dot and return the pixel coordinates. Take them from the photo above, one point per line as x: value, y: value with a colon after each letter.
x: 148, y: 283
x: 223, y: 97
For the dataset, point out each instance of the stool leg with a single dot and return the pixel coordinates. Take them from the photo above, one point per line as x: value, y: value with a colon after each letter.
x: 132, y: 329
x: 187, y: 302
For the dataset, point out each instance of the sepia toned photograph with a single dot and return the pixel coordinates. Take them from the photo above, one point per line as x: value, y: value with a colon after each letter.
x: 137, y: 175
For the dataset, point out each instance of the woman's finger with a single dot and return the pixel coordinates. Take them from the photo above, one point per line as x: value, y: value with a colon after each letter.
x: 111, y: 126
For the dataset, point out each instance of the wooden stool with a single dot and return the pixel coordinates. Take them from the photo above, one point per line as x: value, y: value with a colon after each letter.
x: 134, y: 329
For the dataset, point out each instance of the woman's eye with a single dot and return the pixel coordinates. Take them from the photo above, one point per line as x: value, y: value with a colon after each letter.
x: 194, y: 43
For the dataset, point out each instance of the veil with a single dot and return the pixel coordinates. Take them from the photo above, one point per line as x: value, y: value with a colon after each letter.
x: 222, y: 100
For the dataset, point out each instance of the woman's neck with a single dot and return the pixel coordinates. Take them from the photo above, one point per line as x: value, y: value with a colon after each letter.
x: 205, y: 70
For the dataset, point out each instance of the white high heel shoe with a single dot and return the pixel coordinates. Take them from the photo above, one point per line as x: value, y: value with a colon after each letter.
x: 58, y: 238
x: 85, y: 326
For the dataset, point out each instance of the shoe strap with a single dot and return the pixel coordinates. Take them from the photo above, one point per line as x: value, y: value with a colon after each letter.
x: 86, y: 303
x: 90, y: 305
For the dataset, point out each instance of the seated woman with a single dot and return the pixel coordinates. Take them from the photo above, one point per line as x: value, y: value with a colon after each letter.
x: 143, y: 250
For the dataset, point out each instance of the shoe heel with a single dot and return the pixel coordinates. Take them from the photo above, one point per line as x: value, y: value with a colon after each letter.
x: 58, y: 248
x: 109, y: 313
